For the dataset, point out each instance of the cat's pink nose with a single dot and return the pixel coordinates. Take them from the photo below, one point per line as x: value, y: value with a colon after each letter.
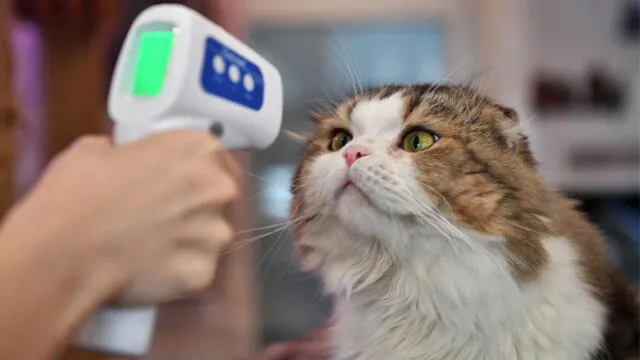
x: 355, y: 152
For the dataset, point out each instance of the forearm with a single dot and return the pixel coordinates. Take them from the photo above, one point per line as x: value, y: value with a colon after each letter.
x: 43, y: 297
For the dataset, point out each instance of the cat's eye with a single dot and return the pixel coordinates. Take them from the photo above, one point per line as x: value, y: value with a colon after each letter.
x: 418, y: 140
x: 339, y: 140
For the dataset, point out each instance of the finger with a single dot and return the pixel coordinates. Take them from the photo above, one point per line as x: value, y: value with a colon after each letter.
x: 207, y: 235
x: 222, y: 189
x: 211, y: 166
x: 194, y: 142
x: 281, y: 351
x: 192, y: 272
x: 221, y: 158
x: 314, y: 350
x: 208, y: 191
x: 230, y: 165
x: 221, y: 235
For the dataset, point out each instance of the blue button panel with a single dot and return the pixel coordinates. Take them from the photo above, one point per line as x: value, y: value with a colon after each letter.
x: 230, y: 76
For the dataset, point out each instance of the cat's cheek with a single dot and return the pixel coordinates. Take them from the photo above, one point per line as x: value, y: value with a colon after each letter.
x: 306, y: 250
x: 327, y: 175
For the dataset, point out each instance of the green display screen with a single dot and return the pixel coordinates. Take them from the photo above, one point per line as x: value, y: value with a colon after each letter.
x: 154, y: 54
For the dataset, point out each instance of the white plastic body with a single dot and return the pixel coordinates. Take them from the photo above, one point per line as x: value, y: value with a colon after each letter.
x: 119, y: 331
x: 182, y: 104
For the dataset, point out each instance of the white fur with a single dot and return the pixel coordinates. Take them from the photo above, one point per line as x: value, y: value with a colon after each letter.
x: 512, y: 130
x: 412, y: 286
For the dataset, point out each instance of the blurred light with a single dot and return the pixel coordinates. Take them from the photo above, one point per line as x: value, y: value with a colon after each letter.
x: 276, y: 199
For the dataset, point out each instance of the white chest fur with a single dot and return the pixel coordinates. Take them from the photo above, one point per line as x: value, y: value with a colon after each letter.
x: 470, y: 307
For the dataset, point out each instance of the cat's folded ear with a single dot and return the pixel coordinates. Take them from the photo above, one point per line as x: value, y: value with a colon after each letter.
x: 515, y: 138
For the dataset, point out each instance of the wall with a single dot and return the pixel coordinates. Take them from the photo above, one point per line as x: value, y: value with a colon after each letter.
x: 566, y: 38
x: 517, y: 38
x: 579, y: 32
x: 313, y: 10
x: 454, y: 14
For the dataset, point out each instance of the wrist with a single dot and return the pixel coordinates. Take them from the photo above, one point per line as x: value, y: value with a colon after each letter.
x: 56, y: 279
x: 90, y: 287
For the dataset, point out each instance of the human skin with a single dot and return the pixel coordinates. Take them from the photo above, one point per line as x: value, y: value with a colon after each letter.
x: 313, y: 346
x: 137, y: 224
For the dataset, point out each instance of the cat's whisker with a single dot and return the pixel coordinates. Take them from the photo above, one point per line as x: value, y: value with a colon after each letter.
x: 444, y: 226
x: 320, y: 107
x: 278, y: 227
x: 347, y: 68
x: 517, y: 225
x: 429, y: 219
x: 251, y: 240
x: 333, y: 104
x: 476, y: 80
x: 449, y: 76
x: 276, y: 244
x: 255, y: 196
x: 444, y: 79
x: 438, y: 221
x: 258, y: 177
x: 341, y: 52
x: 262, y: 228
x: 331, y: 99
x: 354, y: 70
x: 296, y: 136
x: 439, y: 194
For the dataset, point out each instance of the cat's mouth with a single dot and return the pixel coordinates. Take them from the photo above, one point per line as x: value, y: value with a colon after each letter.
x: 350, y: 186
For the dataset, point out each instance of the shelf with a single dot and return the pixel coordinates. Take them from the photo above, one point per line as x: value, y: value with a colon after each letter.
x: 557, y: 141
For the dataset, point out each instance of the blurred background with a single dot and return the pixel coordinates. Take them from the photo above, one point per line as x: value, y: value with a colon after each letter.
x: 570, y: 67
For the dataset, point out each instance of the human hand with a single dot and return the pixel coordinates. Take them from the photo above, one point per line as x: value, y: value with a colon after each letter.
x: 314, y: 346
x: 144, y: 220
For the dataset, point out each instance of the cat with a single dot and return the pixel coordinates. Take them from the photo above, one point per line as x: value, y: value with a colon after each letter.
x: 421, y: 208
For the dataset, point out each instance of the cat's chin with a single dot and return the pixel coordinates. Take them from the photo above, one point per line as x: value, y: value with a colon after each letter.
x: 352, y: 202
x: 356, y: 200
x: 360, y: 213
x: 351, y: 192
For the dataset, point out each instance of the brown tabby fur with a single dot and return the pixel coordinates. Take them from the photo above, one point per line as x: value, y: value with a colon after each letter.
x: 488, y: 181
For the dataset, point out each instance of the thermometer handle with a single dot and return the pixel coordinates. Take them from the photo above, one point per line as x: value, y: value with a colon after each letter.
x: 122, y: 331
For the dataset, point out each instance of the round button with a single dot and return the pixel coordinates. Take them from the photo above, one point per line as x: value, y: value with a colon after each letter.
x: 218, y: 64
x: 249, y: 84
x: 234, y: 73
x: 216, y: 129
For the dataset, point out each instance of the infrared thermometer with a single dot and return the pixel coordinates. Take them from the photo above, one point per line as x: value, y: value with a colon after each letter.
x: 179, y: 70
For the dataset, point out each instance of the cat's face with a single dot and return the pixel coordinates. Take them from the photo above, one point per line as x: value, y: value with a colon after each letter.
x: 419, y: 158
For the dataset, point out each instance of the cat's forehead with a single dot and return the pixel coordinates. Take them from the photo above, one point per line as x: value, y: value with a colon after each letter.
x: 387, y: 110
x: 377, y: 116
